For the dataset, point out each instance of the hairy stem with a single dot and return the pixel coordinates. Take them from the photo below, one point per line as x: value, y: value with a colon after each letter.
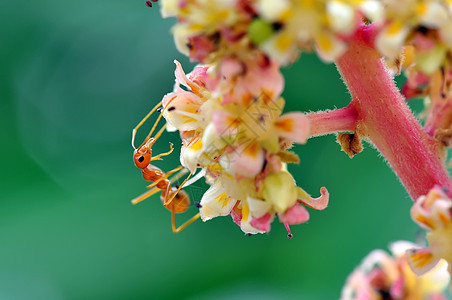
x: 388, y: 122
x: 332, y: 121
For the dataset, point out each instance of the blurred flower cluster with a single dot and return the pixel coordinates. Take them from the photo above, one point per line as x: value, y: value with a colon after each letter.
x: 211, y: 29
x: 384, y: 276
x: 419, y: 38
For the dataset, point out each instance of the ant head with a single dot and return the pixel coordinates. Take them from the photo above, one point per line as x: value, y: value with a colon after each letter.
x: 142, y: 156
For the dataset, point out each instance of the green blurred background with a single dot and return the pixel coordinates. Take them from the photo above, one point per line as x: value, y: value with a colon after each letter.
x: 77, y: 76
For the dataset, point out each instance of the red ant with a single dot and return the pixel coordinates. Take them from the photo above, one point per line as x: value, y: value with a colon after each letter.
x: 175, y: 200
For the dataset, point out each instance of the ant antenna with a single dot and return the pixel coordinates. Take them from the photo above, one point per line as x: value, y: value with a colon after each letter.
x: 134, y: 131
x: 159, y: 117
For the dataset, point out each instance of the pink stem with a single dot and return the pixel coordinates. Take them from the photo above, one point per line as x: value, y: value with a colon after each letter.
x: 388, y: 122
x: 332, y: 121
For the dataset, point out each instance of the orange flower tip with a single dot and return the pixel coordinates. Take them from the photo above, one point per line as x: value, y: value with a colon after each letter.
x: 293, y: 126
x: 421, y: 260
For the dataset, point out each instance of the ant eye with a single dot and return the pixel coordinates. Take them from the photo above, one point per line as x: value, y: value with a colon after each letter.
x: 141, y: 158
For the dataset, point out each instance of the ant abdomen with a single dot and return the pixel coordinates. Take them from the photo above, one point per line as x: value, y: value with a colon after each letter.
x: 180, y: 203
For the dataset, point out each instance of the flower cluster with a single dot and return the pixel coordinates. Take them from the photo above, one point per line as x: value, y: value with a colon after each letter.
x: 382, y: 276
x: 325, y: 25
x: 230, y: 120
x: 434, y: 213
x: 211, y: 29
x: 422, y: 31
x: 426, y: 25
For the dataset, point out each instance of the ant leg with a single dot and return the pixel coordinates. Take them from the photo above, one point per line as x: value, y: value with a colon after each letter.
x: 154, y: 139
x: 158, y: 157
x: 180, y: 228
x: 134, y: 131
x: 159, y: 117
x: 174, y: 170
x: 156, y: 182
x: 164, y: 177
x: 177, y: 191
x: 145, y: 195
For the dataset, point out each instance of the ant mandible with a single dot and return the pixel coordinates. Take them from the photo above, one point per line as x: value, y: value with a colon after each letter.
x: 175, y: 200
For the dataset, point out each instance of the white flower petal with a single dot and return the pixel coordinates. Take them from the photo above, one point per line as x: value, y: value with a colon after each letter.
x: 373, y: 9
x: 258, y: 207
x: 341, y: 17
x: 272, y: 10
x: 329, y: 47
x: 280, y: 47
x: 190, y: 154
x: 169, y: 8
x: 216, y: 202
x: 390, y: 41
x: 434, y: 14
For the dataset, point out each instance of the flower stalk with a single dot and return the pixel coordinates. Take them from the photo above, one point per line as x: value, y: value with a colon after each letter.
x: 332, y: 121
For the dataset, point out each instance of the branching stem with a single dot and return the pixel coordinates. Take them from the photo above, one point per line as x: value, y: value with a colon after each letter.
x: 387, y: 121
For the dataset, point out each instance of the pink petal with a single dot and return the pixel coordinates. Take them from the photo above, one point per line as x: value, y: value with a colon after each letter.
x: 297, y: 214
x: 199, y: 75
x: 398, y: 289
x: 230, y: 68
x: 319, y: 203
x: 236, y: 218
x: 418, y: 79
x: 411, y: 92
x: 182, y: 79
x: 377, y: 278
x: 247, y: 162
x: 200, y: 47
x: 262, y: 223
x: 293, y: 126
x: 423, y: 43
x: 225, y: 123
x: 180, y: 74
x: 257, y: 81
